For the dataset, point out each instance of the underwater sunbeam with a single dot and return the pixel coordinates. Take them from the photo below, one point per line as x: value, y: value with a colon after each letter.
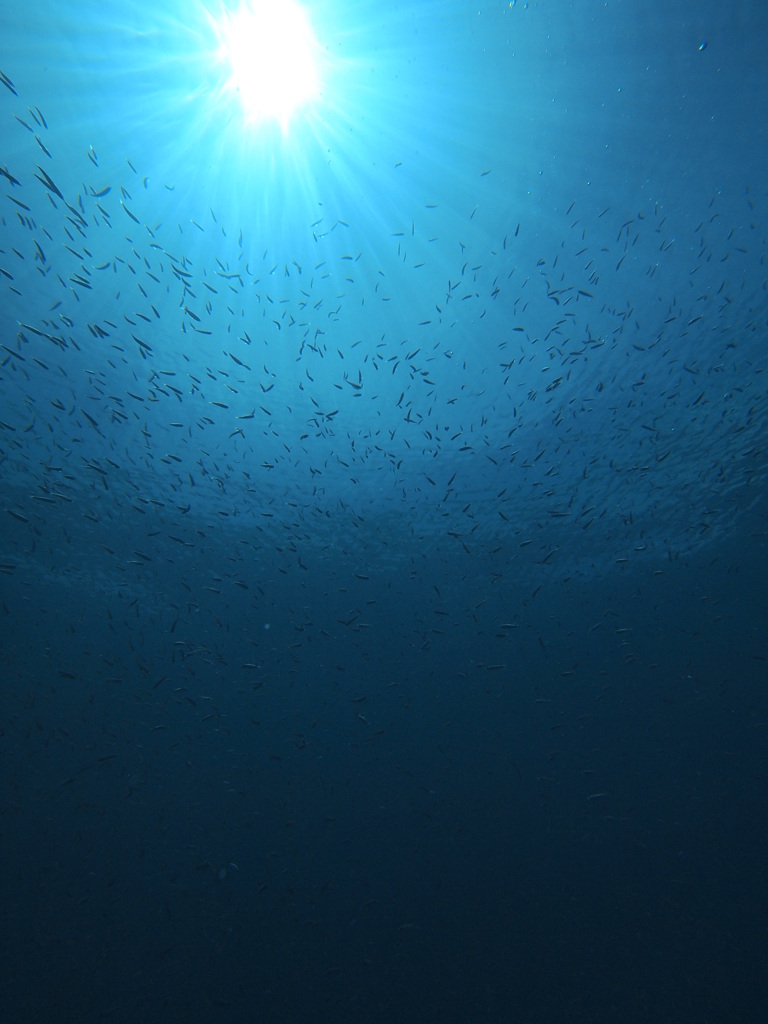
x: 269, y: 49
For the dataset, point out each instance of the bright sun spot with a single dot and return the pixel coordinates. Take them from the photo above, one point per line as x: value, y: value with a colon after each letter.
x: 269, y: 49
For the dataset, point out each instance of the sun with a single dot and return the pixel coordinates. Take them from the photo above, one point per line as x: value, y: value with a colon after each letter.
x: 268, y: 50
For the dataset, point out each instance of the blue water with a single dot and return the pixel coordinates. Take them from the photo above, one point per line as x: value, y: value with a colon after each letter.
x: 384, y: 518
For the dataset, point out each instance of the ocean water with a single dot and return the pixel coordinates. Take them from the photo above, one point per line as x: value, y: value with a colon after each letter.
x: 384, y: 517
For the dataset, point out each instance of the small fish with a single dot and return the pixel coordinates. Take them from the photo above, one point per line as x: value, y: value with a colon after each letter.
x: 49, y: 184
x: 7, y: 83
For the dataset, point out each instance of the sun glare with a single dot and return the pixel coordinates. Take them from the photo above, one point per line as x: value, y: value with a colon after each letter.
x: 269, y: 49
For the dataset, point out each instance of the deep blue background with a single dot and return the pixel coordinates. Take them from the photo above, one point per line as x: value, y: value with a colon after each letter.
x: 383, y: 632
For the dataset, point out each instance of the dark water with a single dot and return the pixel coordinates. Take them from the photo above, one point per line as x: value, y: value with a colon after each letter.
x: 384, y: 521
